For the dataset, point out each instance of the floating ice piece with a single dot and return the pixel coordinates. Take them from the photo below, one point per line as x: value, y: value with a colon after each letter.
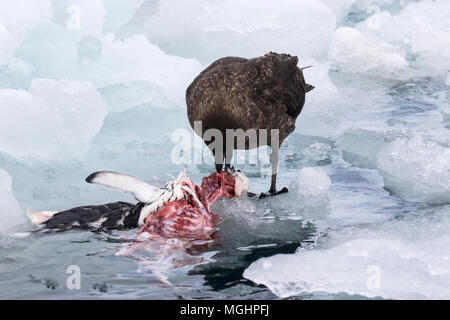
x: 352, y: 52
x: 417, y: 169
x: 371, y: 267
x: 360, y: 8
x: 317, y: 76
x: 137, y: 59
x: 412, y: 167
x: 307, y: 197
x: 317, y: 117
x: 422, y: 29
x: 19, y: 16
x: 209, y: 30
x: 7, y: 45
x: 340, y: 7
x: 10, y: 211
x: 56, y: 52
x: 119, y: 13
x: 51, y: 50
x: 16, y: 18
x: 123, y: 96
x: 405, y: 258
x: 311, y: 183
x: 361, y: 147
x: 316, y: 154
x: 16, y: 75
x: 86, y: 16
x: 53, y: 120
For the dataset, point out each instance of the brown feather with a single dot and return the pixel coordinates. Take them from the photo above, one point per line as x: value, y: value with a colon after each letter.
x: 267, y: 92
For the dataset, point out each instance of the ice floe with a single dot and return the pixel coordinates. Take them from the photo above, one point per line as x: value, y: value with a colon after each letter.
x: 11, y: 213
x: 417, y: 169
x: 210, y: 30
x: 353, y: 52
x: 53, y: 120
x: 402, y: 259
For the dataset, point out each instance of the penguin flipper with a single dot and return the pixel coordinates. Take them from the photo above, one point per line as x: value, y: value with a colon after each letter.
x: 141, y: 190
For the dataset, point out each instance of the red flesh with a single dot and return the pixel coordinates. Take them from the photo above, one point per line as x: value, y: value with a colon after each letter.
x: 187, y: 219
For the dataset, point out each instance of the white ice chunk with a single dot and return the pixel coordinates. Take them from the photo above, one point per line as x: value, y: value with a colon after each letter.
x: 56, y: 52
x: 137, y: 59
x: 16, y: 75
x: 118, y: 13
x: 361, y: 147
x: 53, y: 120
x: 86, y: 16
x: 10, y: 212
x: 412, y: 167
x: 352, y: 52
x: 307, y: 197
x: 21, y: 15
x: 371, y: 267
x: 7, y: 45
x: 123, y: 96
x: 16, y: 18
x: 312, y: 182
x: 422, y: 29
x: 345, y: 8
x: 406, y: 258
x: 316, y: 154
x: 340, y: 7
x: 317, y: 117
x: 51, y: 50
x: 17, y: 66
x: 317, y: 75
x: 210, y: 30
x: 416, y: 168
